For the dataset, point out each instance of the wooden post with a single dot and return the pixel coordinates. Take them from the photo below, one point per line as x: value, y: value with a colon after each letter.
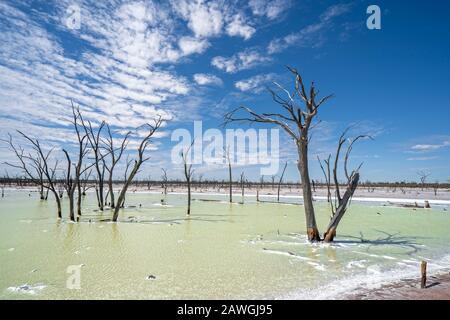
x: 423, y: 270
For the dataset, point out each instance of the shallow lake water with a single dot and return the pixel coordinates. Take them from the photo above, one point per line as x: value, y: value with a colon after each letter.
x: 222, y: 251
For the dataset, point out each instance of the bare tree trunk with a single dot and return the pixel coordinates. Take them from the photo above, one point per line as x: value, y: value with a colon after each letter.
x: 58, y: 204
x: 311, y: 225
x: 79, y: 195
x: 121, y: 199
x: 111, y: 192
x: 230, y: 176
x: 41, y: 191
x: 189, y: 197
x: 137, y: 164
x: 332, y: 226
x: 242, y: 187
x: 281, y: 180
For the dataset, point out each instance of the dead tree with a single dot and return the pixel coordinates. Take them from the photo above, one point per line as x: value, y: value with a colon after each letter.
x: 85, y: 182
x: 280, y: 181
x: 164, y: 180
x: 137, y: 163
x: 230, y: 176
x: 32, y: 164
x: 128, y: 164
x: 423, y: 176
x: 188, y: 173
x: 115, y: 155
x: 94, y: 139
x: 83, y: 150
x: 327, y: 175
x: 242, y: 180
x: 296, y: 121
x: 341, y: 203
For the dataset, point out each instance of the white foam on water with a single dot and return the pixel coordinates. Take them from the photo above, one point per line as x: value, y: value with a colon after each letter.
x: 27, y: 289
x: 289, y: 254
x: 373, y: 278
x: 11, y: 249
x: 357, y: 263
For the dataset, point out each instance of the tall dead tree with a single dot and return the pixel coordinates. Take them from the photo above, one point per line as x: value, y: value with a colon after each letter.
x: 128, y: 164
x: 242, y: 180
x: 230, y: 176
x: 296, y: 121
x: 94, y: 139
x: 164, y: 180
x: 188, y: 173
x: 280, y: 181
x: 423, y: 176
x: 82, y: 140
x: 84, y: 182
x: 152, y: 128
x: 115, y: 155
x: 341, y: 203
x: 31, y: 164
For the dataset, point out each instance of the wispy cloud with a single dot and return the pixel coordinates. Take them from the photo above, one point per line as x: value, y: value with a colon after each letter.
x: 240, y: 61
x: 421, y: 158
x: 312, y: 35
x: 254, y: 84
x: 271, y: 9
x: 430, y: 147
x: 204, y: 79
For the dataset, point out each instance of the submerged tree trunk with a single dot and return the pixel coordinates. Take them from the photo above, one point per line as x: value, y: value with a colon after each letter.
x: 121, y: 199
x: 111, y: 192
x: 281, y: 180
x: 79, y: 195
x: 231, y: 181
x: 189, y: 197
x: 58, y: 203
x: 340, y: 211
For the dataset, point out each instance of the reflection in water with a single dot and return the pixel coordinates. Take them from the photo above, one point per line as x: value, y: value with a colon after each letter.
x: 223, y: 250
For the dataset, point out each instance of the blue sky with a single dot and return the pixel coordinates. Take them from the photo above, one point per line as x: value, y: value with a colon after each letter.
x: 189, y: 60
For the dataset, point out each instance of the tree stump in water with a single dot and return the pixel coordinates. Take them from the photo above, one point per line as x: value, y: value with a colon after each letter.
x: 423, y: 270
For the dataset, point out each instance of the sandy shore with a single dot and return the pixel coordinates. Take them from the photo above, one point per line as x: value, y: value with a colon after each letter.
x: 438, y: 288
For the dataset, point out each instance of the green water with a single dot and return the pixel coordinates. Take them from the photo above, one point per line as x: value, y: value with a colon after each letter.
x: 256, y: 250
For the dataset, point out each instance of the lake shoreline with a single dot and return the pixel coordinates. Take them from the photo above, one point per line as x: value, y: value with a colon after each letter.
x: 412, y: 197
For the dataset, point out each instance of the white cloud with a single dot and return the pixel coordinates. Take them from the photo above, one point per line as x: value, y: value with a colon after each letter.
x: 117, y: 81
x: 271, y: 9
x: 421, y: 158
x: 211, y: 18
x: 207, y: 79
x: 238, y: 27
x: 205, y: 19
x: 430, y: 147
x: 242, y: 60
x: 191, y: 45
x: 254, y: 84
